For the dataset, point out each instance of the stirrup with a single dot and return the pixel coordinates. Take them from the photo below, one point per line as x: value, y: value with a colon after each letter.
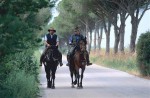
x: 61, y: 64
x: 67, y: 64
x: 40, y: 64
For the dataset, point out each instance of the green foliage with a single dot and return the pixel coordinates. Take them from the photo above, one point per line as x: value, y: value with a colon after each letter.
x: 19, y: 84
x: 20, y: 24
x: 143, y: 53
x: 19, y: 75
x: 72, y: 13
x: 22, y: 60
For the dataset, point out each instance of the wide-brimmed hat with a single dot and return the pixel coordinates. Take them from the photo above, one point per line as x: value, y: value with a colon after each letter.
x: 76, y: 29
x: 52, y: 29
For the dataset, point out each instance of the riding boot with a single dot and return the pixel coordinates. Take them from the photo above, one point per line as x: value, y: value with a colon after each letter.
x: 60, y: 62
x: 42, y: 56
x: 88, y: 61
x: 68, y: 59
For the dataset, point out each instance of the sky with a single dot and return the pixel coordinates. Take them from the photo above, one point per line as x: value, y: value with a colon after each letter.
x: 54, y: 12
x: 143, y: 27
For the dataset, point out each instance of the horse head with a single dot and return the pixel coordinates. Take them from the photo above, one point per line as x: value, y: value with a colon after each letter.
x: 51, y: 54
x: 48, y: 55
x: 82, y: 45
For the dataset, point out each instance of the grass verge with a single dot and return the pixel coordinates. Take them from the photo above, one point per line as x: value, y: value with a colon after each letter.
x: 124, y: 62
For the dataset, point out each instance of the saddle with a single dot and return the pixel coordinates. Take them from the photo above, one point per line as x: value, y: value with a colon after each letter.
x: 82, y: 57
x: 51, y: 53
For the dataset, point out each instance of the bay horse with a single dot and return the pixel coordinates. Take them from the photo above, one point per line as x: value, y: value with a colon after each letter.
x: 50, y: 63
x: 78, y: 62
x: 72, y: 69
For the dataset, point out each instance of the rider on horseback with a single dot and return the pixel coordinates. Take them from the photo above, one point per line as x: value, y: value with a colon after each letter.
x: 51, y: 39
x: 74, y: 42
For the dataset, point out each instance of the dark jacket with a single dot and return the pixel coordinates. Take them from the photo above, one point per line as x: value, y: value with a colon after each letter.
x: 53, y: 40
x: 76, y: 38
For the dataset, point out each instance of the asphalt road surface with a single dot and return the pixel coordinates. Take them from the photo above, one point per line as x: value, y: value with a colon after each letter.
x: 98, y: 82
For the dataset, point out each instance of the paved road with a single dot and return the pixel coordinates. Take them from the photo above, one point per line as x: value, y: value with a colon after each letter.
x: 98, y: 82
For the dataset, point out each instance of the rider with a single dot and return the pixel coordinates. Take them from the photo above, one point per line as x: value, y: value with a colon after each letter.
x: 50, y: 40
x: 74, y: 40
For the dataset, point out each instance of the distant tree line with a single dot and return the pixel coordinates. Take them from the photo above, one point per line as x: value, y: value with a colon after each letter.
x: 98, y: 15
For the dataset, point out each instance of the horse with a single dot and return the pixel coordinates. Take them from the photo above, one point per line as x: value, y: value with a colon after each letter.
x: 80, y: 63
x: 77, y: 62
x: 71, y: 65
x: 50, y: 63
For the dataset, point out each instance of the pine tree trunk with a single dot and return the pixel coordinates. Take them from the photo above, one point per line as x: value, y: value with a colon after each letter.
x: 107, y: 32
x: 116, y: 31
x: 134, y: 22
x: 107, y: 43
x: 87, y: 34
x: 100, y: 34
x: 122, y: 31
x: 95, y: 37
x: 116, y: 41
x: 90, y: 44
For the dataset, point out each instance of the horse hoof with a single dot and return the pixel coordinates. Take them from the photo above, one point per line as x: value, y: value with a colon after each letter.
x: 53, y: 87
x: 78, y: 87
x: 72, y: 86
x: 48, y: 86
x: 75, y: 82
x: 81, y: 87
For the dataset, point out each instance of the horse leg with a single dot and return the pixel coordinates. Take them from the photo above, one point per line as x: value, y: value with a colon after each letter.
x: 78, y: 77
x: 53, y: 76
x: 75, y: 82
x: 72, y: 83
x: 71, y: 75
x: 47, y: 70
x: 53, y: 81
x: 82, y: 71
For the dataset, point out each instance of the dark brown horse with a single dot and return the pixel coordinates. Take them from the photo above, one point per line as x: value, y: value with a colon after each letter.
x: 72, y: 69
x: 50, y: 64
x: 78, y: 62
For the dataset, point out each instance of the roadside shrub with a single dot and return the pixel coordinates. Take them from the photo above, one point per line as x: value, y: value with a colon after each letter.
x: 143, y: 54
x: 22, y: 61
x: 19, y: 85
x: 19, y: 75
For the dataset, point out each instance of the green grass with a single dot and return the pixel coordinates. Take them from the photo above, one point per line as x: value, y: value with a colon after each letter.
x: 122, y: 62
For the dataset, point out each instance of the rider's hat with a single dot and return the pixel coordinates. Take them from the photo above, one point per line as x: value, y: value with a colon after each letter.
x: 76, y: 29
x: 51, y: 29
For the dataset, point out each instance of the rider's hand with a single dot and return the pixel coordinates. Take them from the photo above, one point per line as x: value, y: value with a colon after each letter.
x: 48, y: 45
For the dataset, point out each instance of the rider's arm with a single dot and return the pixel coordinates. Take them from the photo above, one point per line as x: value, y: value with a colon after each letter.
x: 45, y: 41
x: 57, y: 43
x: 70, y: 40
